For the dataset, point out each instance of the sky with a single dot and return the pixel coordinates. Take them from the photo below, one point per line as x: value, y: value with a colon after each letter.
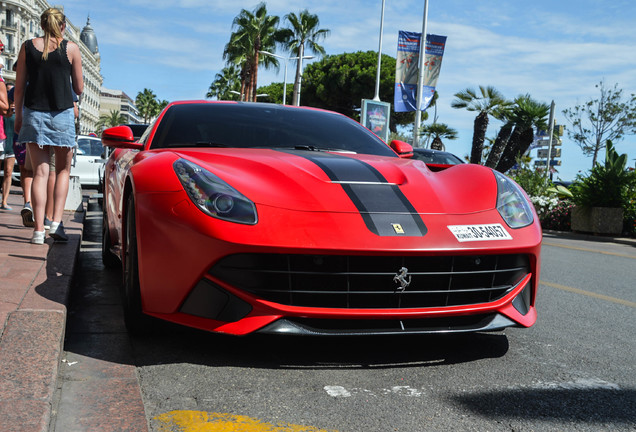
x: 554, y: 50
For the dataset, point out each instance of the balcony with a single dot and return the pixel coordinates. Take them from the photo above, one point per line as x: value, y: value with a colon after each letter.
x: 9, y: 25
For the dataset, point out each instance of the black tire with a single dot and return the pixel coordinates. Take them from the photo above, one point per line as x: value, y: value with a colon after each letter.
x: 108, y: 258
x: 136, y: 322
x: 100, y: 190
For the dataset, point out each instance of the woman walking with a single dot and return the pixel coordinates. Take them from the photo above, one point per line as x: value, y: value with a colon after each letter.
x: 47, y: 67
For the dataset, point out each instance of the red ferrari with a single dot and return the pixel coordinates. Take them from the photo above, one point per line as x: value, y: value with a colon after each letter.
x: 245, y: 217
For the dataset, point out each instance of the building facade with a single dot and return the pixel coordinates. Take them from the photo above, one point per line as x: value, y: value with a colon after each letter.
x: 117, y: 100
x: 20, y: 21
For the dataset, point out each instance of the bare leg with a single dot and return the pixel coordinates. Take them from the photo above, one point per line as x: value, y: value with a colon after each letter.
x: 40, y: 162
x: 26, y: 176
x: 8, y: 172
x: 50, y: 195
x: 63, y: 160
x: 26, y: 180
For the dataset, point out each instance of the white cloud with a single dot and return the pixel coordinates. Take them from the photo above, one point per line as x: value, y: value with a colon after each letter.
x: 551, y: 50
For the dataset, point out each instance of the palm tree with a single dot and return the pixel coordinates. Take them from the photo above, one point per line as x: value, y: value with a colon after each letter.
x: 303, y: 32
x: 235, y: 53
x: 526, y: 115
x: 224, y: 82
x: 437, y: 131
x: 255, y: 31
x: 115, y: 118
x: 161, y: 105
x: 146, y: 102
x: 487, y: 102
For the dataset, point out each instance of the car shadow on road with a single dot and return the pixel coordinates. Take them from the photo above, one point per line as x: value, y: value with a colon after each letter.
x: 570, y: 405
x: 177, y: 345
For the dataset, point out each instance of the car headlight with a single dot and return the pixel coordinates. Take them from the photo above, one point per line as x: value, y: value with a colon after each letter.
x: 214, y: 196
x: 512, y: 204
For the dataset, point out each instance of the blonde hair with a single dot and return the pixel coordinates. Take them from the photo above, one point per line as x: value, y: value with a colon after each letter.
x: 51, y: 21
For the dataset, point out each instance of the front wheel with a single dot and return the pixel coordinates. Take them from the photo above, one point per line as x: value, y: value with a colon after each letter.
x: 108, y: 258
x: 136, y: 322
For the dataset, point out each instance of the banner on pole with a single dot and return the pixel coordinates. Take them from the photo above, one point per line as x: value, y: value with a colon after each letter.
x: 375, y: 116
x: 407, y: 69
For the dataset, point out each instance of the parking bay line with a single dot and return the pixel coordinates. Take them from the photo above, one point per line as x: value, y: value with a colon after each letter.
x: 590, y: 294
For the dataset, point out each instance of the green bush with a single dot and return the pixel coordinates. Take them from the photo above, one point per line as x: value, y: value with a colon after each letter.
x: 629, y: 215
x: 533, y: 181
x: 606, y: 185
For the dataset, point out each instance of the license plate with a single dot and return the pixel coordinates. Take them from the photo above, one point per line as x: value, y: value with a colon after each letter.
x: 466, y: 233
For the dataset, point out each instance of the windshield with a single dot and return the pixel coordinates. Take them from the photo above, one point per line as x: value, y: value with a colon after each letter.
x: 89, y: 147
x: 436, y: 157
x: 253, y: 125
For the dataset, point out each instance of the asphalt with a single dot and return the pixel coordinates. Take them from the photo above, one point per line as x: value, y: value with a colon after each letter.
x: 35, y: 284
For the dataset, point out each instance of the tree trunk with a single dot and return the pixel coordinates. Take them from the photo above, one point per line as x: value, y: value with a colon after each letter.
x: 295, y: 96
x: 499, y: 145
x: 524, y: 143
x: 479, y: 135
x: 509, y: 156
x: 437, y: 144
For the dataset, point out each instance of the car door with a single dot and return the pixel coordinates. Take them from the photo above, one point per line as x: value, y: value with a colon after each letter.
x: 88, y: 160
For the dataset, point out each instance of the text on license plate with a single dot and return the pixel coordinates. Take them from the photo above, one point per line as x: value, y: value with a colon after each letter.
x: 466, y: 233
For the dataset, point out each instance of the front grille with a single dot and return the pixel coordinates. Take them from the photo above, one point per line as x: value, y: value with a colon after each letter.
x: 361, y: 282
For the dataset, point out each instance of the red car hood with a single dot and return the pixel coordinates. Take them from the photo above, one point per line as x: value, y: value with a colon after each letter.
x: 339, y: 182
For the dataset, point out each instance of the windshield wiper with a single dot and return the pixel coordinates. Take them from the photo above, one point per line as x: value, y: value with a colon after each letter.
x: 321, y: 149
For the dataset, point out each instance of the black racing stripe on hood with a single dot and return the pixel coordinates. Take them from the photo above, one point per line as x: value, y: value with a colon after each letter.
x: 384, y: 208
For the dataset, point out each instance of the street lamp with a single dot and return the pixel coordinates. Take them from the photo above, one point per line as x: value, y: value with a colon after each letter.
x: 286, y: 59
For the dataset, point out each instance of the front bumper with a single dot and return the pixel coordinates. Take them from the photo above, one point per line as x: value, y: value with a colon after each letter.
x: 179, y: 250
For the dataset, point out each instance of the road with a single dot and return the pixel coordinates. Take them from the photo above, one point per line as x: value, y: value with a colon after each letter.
x: 574, y: 370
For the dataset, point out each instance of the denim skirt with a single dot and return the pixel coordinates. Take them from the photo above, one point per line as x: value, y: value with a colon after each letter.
x: 48, y: 128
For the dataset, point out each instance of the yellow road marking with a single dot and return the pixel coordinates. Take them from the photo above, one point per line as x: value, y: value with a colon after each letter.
x: 590, y: 294
x: 201, y: 421
x: 589, y: 250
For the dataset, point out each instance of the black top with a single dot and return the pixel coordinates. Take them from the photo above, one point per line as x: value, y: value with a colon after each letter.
x: 49, y: 81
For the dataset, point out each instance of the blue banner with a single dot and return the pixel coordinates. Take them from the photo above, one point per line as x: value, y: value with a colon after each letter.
x: 407, y: 69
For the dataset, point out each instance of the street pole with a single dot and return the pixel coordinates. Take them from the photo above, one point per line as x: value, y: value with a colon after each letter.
x: 377, y: 76
x: 285, y: 83
x: 286, y: 59
x: 420, y: 81
x: 550, y: 140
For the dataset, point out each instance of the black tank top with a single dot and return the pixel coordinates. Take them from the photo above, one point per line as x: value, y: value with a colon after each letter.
x: 48, y: 81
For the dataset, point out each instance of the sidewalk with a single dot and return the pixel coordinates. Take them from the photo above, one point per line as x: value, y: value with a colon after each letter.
x: 35, y: 282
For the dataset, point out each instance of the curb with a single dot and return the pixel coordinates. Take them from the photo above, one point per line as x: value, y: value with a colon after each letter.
x: 32, y: 340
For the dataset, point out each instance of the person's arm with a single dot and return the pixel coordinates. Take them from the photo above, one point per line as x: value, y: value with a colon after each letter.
x: 20, y: 87
x: 4, y: 99
x: 75, y: 57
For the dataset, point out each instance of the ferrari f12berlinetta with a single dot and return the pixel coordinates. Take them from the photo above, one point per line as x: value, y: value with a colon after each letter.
x: 244, y: 217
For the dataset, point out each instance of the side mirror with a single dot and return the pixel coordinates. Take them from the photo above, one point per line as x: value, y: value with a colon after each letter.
x: 120, y: 137
x: 404, y: 150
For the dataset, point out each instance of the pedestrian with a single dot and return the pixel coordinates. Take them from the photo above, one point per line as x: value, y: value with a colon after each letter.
x: 26, y: 172
x: 51, y: 65
x: 9, y: 155
x: 50, y: 186
x: 6, y: 151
